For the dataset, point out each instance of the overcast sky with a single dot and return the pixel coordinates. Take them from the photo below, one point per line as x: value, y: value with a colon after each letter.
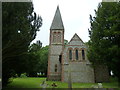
x: 75, y: 16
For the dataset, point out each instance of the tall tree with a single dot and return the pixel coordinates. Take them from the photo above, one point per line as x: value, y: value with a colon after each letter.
x: 33, y: 59
x: 37, y: 60
x: 20, y: 24
x: 104, y: 44
x: 43, y: 59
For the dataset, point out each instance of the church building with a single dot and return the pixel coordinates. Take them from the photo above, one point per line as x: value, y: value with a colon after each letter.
x: 67, y: 61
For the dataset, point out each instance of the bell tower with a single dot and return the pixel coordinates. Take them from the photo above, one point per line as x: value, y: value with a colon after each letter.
x: 56, y: 45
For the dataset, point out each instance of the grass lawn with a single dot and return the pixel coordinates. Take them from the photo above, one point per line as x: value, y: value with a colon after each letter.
x: 33, y: 82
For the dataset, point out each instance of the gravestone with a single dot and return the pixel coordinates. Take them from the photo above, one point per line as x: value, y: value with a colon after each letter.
x: 44, y: 85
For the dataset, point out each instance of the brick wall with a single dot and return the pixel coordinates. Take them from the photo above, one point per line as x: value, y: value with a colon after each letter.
x: 55, y: 50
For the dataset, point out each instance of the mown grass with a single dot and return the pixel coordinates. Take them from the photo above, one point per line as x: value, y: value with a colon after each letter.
x: 25, y: 82
x: 36, y: 83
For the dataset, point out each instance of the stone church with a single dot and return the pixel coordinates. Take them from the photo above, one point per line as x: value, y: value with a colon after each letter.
x: 69, y: 60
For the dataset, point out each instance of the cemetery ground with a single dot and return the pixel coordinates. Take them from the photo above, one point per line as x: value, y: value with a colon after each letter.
x: 36, y: 82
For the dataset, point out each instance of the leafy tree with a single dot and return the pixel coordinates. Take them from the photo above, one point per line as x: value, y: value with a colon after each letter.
x: 43, y: 59
x: 33, y: 59
x: 34, y: 47
x: 20, y: 24
x: 32, y: 64
x: 37, y: 60
x: 104, y: 43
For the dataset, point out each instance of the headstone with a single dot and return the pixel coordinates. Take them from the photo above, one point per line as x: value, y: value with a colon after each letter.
x: 44, y: 85
x: 100, y: 85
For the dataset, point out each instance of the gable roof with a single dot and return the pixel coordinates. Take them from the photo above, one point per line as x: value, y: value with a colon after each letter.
x: 57, y: 21
x: 76, y: 40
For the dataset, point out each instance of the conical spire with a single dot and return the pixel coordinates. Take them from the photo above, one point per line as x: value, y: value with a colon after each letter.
x: 57, y: 21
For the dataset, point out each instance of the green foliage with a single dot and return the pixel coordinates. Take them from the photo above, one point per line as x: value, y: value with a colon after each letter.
x: 34, y: 47
x: 104, y: 43
x: 20, y: 24
x: 32, y: 60
x: 43, y: 59
x: 23, y: 75
x: 65, y: 42
x: 37, y: 60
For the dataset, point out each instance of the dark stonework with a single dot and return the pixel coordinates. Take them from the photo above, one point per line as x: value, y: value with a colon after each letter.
x: 101, y: 73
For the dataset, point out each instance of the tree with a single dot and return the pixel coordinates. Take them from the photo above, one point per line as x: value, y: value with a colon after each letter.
x: 32, y: 60
x: 36, y: 60
x: 104, y: 43
x: 20, y: 24
x: 43, y: 59
x: 34, y: 47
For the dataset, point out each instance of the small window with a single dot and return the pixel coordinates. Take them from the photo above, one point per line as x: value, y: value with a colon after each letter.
x: 60, y: 58
x: 76, y: 54
x: 55, y: 67
x: 70, y: 54
x: 83, y: 55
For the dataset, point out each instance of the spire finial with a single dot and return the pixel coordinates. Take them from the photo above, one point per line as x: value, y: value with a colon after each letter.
x: 58, y: 6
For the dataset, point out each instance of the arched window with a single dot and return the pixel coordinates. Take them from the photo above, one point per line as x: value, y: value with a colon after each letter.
x: 76, y: 54
x: 55, y: 67
x: 70, y: 54
x: 54, y: 37
x: 59, y: 37
x: 83, y: 55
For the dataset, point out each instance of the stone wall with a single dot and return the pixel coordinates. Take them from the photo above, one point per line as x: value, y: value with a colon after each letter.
x: 54, y: 77
x: 80, y: 72
x: 56, y: 49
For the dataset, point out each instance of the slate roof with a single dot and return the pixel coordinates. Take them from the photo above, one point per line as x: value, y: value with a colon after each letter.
x: 57, y: 23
